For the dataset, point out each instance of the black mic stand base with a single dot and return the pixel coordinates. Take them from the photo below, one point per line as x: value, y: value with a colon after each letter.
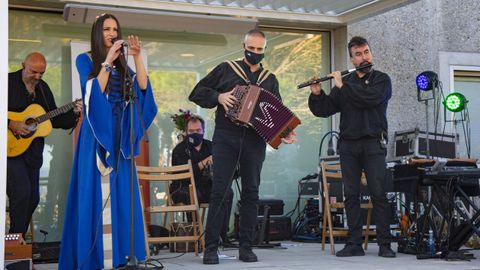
x: 132, y: 263
x: 268, y: 245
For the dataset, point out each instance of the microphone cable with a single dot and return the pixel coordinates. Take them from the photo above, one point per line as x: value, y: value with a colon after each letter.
x: 230, y: 182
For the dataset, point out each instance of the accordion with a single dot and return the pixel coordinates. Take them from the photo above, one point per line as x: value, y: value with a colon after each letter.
x: 264, y: 112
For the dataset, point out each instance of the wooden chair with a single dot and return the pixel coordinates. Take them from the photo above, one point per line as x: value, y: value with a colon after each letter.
x: 168, y: 175
x: 332, y: 172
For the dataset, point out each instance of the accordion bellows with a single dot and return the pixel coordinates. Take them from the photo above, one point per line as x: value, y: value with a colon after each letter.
x: 264, y: 112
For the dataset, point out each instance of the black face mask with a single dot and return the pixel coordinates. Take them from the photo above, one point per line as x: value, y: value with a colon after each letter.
x: 195, y: 139
x: 253, y: 58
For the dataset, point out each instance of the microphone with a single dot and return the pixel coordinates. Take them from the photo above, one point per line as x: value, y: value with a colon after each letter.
x: 124, y: 44
x: 326, y: 78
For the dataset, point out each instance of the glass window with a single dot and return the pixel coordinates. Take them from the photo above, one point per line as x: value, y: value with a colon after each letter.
x: 34, y: 31
x: 467, y: 82
x: 292, y: 57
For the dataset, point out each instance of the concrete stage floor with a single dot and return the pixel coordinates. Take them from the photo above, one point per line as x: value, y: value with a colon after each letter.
x: 305, y: 256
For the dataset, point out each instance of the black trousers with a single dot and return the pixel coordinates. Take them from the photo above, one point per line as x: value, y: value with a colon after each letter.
x: 23, y: 193
x: 226, y: 148
x: 367, y: 155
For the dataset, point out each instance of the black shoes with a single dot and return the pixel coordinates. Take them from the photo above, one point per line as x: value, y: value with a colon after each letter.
x: 246, y: 254
x: 356, y: 250
x: 350, y: 251
x: 210, y: 256
x: 386, y: 251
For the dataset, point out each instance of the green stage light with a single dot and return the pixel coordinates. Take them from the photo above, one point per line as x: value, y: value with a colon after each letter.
x: 455, y: 102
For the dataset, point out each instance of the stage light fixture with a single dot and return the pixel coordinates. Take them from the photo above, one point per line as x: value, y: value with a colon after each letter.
x: 427, y: 81
x: 455, y: 102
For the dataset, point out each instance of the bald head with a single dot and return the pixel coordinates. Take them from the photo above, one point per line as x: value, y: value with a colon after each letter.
x: 34, y: 66
x: 255, y: 33
x: 35, y: 57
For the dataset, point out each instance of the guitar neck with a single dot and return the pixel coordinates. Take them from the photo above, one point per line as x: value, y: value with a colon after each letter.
x: 56, y: 112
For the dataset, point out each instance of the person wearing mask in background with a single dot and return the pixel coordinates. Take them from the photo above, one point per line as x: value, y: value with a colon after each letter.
x: 199, y: 151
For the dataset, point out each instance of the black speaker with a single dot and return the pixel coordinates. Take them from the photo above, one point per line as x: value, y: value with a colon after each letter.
x: 276, y: 207
x: 308, y: 187
x: 279, y: 228
x: 47, y: 252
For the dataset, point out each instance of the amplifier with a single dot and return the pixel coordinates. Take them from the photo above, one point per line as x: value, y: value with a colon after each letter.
x: 276, y: 207
x: 309, y: 188
x: 46, y: 252
x: 279, y: 228
x: 16, y: 248
x: 413, y: 143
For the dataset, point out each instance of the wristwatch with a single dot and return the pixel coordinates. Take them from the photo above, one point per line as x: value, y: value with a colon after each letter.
x: 107, y: 66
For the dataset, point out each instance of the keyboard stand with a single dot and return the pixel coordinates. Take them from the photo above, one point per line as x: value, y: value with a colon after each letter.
x: 449, y: 185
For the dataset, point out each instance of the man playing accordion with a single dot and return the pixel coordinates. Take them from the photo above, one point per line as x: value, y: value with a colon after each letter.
x: 235, y: 145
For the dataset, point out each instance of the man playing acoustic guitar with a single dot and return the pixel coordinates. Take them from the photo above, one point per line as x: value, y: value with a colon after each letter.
x: 26, y: 87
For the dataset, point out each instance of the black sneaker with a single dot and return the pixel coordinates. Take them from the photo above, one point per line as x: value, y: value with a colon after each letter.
x: 350, y: 251
x: 210, y: 256
x: 386, y: 251
x: 246, y: 254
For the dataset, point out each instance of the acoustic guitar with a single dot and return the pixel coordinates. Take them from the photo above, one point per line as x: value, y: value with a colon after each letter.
x: 39, y: 125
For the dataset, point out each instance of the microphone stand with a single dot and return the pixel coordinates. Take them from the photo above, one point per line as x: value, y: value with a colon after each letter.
x: 131, y: 98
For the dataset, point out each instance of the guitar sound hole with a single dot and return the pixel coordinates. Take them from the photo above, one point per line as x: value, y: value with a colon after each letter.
x: 32, y: 126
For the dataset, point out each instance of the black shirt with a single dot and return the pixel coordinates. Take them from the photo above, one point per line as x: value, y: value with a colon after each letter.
x: 185, y: 151
x: 19, y: 99
x: 362, y: 103
x: 223, y: 79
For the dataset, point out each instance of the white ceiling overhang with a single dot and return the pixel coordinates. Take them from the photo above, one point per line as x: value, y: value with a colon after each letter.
x: 228, y: 15
x: 327, y: 14
x: 160, y: 20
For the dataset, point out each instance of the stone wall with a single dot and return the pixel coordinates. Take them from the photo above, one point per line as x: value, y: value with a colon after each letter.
x: 409, y: 40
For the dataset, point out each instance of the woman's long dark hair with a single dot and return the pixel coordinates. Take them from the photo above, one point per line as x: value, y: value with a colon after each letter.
x: 98, y: 47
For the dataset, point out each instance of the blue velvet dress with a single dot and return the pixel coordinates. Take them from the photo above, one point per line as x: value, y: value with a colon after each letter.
x: 103, y: 148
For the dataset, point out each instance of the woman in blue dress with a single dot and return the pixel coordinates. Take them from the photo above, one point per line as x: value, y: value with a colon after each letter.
x: 96, y: 232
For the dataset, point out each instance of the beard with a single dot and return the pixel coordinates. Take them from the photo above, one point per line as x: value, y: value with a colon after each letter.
x: 364, y: 70
x: 30, y: 80
x: 33, y: 82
